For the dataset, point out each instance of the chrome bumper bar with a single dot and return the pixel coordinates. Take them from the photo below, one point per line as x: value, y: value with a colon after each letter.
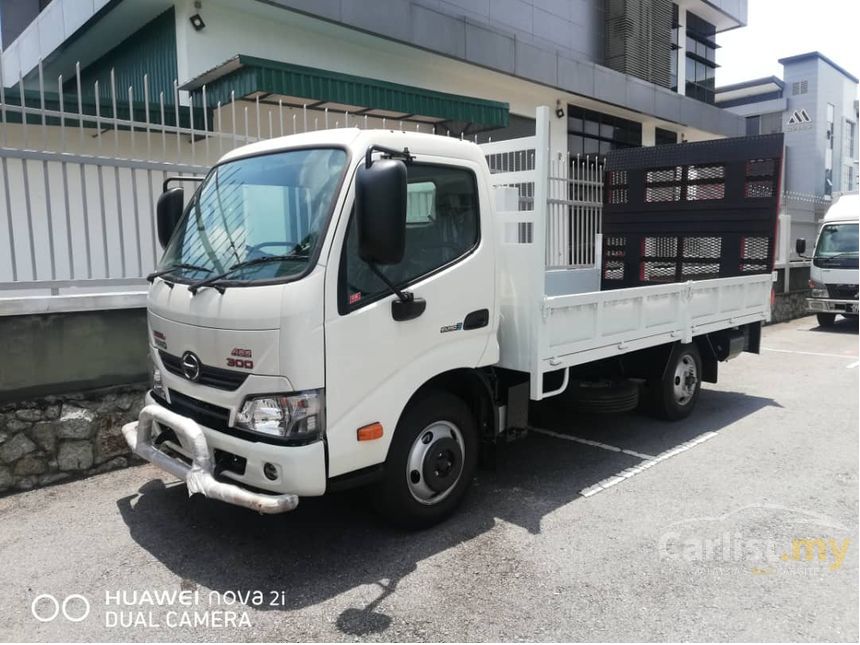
x: 832, y: 305
x: 199, y: 476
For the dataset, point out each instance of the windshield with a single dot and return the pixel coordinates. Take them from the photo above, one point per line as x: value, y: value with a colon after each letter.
x: 271, y: 205
x: 837, y: 245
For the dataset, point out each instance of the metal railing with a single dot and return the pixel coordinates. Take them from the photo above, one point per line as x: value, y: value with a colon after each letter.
x: 81, y: 170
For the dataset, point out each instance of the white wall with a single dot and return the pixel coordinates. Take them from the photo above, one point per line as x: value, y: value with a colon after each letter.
x: 276, y: 34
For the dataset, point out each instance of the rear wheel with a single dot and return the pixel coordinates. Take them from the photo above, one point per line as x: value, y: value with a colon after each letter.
x: 430, y: 463
x: 826, y: 320
x: 674, y: 395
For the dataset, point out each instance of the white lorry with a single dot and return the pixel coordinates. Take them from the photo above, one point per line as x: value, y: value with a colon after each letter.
x: 833, y: 276
x: 366, y: 307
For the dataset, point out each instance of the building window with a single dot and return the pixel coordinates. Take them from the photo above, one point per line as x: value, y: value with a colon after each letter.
x: 753, y: 125
x: 593, y: 133
x: 700, y: 58
x: 771, y: 123
x: 674, y: 49
x: 664, y: 137
x: 828, y: 151
x: 850, y: 140
x: 799, y: 87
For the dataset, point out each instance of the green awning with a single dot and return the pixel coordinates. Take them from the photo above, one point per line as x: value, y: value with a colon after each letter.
x: 250, y: 77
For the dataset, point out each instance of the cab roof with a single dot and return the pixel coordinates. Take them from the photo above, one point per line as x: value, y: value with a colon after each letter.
x: 846, y: 208
x: 357, y: 141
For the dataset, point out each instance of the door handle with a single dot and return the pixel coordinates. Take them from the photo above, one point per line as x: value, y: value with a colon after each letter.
x: 477, y: 319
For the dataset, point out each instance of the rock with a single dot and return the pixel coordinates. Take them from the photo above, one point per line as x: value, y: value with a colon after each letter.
x: 44, y: 434
x: 25, y: 483
x: 5, y: 478
x: 16, y: 425
x: 75, y: 423
x: 109, y: 443
x: 30, y: 465
x: 3, y: 437
x: 52, y: 411
x: 52, y: 478
x: 113, y: 464
x: 125, y: 401
x: 75, y: 455
x: 15, y: 448
x: 29, y: 414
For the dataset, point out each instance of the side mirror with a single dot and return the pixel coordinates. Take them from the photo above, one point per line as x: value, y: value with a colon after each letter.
x: 167, y: 213
x: 380, y: 211
x: 800, y: 246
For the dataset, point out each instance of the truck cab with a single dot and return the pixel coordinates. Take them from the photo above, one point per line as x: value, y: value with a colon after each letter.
x: 833, y: 276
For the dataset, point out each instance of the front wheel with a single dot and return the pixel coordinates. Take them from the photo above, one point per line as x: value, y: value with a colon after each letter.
x: 430, y: 463
x: 674, y: 395
x: 826, y: 320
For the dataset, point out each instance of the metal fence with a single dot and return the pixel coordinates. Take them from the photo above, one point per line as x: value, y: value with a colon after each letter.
x: 81, y: 169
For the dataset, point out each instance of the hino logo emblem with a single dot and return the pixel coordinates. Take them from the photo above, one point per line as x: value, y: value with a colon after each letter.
x: 190, y: 366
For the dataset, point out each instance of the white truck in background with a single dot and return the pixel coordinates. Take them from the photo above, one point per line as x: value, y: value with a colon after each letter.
x: 834, y: 276
x: 365, y: 307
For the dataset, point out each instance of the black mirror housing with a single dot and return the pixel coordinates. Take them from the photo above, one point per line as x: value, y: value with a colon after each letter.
x: 380, y: 211
x: 800, y: 246
x: 167, y: 213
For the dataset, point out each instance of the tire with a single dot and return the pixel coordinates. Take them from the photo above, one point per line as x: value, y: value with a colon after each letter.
x: 826, y: 320
x: 673, y: 396
x: 431, y: 462
x: 603, y: 396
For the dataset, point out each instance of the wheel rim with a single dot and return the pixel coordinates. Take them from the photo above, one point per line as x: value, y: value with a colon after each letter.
x: 435, y: 462
x: 685, y: 380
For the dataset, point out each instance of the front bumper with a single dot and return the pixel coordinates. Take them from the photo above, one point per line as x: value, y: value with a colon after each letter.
x: 830, y: 305
x: 199, y: 476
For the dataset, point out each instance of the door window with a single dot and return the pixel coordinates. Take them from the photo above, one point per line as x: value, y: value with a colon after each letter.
x: 441, y: 226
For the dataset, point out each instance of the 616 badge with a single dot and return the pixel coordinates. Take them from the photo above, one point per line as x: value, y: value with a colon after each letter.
x: 240, y: 358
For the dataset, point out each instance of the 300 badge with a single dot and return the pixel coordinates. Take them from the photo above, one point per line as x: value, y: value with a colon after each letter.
x: 239, y: 358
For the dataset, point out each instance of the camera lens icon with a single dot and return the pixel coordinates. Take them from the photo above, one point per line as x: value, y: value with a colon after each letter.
x: 46, y: 608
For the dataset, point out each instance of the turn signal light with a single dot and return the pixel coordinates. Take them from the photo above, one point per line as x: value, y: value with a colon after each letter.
x: 370, y: 432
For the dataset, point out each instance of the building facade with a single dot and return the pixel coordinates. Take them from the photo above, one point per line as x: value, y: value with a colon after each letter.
x: 628, y: 72
x: 815, y: 105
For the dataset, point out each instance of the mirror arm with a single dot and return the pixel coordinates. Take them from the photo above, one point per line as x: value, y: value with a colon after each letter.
x: 391, y: 152
x: 405, y: 296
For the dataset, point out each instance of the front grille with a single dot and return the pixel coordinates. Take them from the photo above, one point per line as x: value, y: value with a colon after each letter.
x: 842, y: 291
x: 206, y: 414
x: 212, y: 376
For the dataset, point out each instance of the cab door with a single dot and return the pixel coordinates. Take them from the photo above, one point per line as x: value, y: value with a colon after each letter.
x: 375, y: 363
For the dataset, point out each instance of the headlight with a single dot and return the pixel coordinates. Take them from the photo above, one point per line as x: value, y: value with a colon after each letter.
x: 818, y: 290
x: 155, y: 383
x: 298, y: 417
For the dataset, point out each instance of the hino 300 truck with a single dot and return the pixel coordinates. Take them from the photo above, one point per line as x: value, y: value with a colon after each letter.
x: 367, y: 307
x: 834, y: 275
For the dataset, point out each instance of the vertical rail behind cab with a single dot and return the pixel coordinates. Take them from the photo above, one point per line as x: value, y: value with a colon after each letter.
x: 677, y: 204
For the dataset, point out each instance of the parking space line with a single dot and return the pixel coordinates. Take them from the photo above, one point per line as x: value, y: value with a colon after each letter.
x: 589, y: 442
x: 795, y: 351
x: 648, y: 460
x: 645, y: 465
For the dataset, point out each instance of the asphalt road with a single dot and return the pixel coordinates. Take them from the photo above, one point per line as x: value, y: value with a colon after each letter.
x: 706, y: 543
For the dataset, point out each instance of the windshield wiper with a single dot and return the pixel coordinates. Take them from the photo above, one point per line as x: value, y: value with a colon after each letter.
x: 211, y: 280
x: 824, y: 258
x: 170, y: 269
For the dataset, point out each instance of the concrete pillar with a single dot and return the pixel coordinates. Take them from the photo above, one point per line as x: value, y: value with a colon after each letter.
x: 649, y: 134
